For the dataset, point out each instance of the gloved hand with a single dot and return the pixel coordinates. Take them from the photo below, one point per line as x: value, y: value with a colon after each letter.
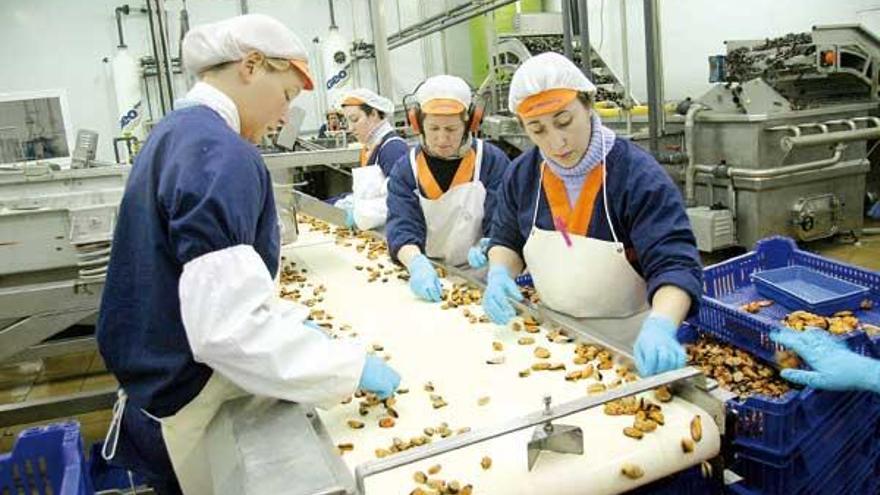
x: 423, y: 279
x: 500, y: 287
x: 477, y: 254
x: 378, y: 377
x: 349, y: 217
x: 835, y: 367
x: 656, y: 349
x: 311, y: 324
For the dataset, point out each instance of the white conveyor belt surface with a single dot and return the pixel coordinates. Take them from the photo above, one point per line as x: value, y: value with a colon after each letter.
x: 426, y: 343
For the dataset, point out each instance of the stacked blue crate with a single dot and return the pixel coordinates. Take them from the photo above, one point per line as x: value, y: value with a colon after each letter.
x: 807, y: 441
x: 46, y: 460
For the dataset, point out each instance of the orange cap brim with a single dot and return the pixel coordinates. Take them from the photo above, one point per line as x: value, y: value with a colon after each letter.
x: 551, y: 100
x: 302, y: 67
x: 351, y: 100
x: 443, y: 106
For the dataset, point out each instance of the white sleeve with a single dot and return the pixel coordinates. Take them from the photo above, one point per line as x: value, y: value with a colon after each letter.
x: 370, y: 213
x: 237, y: 325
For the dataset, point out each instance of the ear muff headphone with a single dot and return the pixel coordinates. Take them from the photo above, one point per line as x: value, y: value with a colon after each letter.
x: 414, y: 112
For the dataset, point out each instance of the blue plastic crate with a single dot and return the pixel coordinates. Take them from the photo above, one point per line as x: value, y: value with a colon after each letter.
x: 802, y: 287
x: 525, y: 280
x: 728, y: 285
x: 44, y: 460
x: 687, y: 482
x: 813, y: 464
x: 777, y: 425
x: 858, y: 476
x: 105, y: 476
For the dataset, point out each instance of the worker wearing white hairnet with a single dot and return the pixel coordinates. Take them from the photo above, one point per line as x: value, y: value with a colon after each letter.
x: 599, y: 225
x: 367, y: 114
x: 442, y: 196
x: 190, y: 315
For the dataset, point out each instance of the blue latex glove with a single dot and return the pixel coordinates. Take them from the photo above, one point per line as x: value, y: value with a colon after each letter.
x: 349, y: 217
x: 423, y: 279
x: 500, y: 287
x: 477, y: 254
x: 378, y: 377
x: 835, y: 367
x: 312, y: 324
x: 656, y: 349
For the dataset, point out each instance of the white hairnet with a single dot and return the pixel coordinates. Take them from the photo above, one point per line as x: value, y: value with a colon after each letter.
x: 363, y: 95
x: 444, y: 94
x: 228, y: 40
x: 545, y: 72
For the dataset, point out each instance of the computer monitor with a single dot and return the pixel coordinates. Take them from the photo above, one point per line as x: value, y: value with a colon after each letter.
x: 35, y: 126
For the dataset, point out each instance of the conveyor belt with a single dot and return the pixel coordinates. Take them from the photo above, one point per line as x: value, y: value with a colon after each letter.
x: 426, y: 343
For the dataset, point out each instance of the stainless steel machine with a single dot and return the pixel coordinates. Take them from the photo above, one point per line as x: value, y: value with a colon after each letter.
x: 778, y: 146
x: 55, y: 231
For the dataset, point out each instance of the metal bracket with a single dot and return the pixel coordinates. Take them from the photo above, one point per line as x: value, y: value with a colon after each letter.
x: 565, y: 439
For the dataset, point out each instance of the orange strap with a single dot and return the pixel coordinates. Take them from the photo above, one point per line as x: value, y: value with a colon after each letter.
x: 365, y: 156
x: 578, y: 221
x: 464, y: 174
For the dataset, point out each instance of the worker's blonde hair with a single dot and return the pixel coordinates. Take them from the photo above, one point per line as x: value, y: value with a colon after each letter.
x: 271, y: 64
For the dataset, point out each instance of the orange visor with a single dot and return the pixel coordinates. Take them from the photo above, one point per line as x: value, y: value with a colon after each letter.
x: 302, y: 67
x: 551, y: 100
x: 443, y: 106
x: 352, y: 101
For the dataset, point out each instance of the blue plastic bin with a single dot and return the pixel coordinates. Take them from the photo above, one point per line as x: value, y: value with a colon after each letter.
x: 813, y: 464
x: 44, y: 460
x: 687, y: 482
x: 105, y: 476
x: 777, y: 425
x: 728, y: 285
x: 804, y: 288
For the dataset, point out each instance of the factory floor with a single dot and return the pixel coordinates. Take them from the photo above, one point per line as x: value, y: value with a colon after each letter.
x: 63, y: 375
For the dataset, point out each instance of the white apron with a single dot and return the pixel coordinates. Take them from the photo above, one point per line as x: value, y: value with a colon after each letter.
x: 591, y: 278
x: 369, y: 190
x: 184, y: 433
x: 454, y: 221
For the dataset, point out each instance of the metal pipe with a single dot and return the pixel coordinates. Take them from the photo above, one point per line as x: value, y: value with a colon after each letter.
x: 332, y: 15
x: 566, y: 30
x: 161, y: 23
x: 449, y: 18
x: 380, y: 42
x: 691, y: 171
x: 403, y: 37
x: 788, y: 143
x: 155, y: 45
x: 407, y: 31
x: 586, y: 48
x: 767, y: 173
x: 624, y: 54
x: 120, y: 11
x: 847, y: 122
x: 793, y: 129
x: 655, y: 73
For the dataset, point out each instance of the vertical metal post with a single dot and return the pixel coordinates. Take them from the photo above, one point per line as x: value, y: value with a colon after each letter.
x: 159, y: 37
x: 243, y: 7
x: 624, y: 54
x: 492, y: 46
x: 655, y: 73
x: 586, y: 49
x: 566, y: 30
x: 380, y: 42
